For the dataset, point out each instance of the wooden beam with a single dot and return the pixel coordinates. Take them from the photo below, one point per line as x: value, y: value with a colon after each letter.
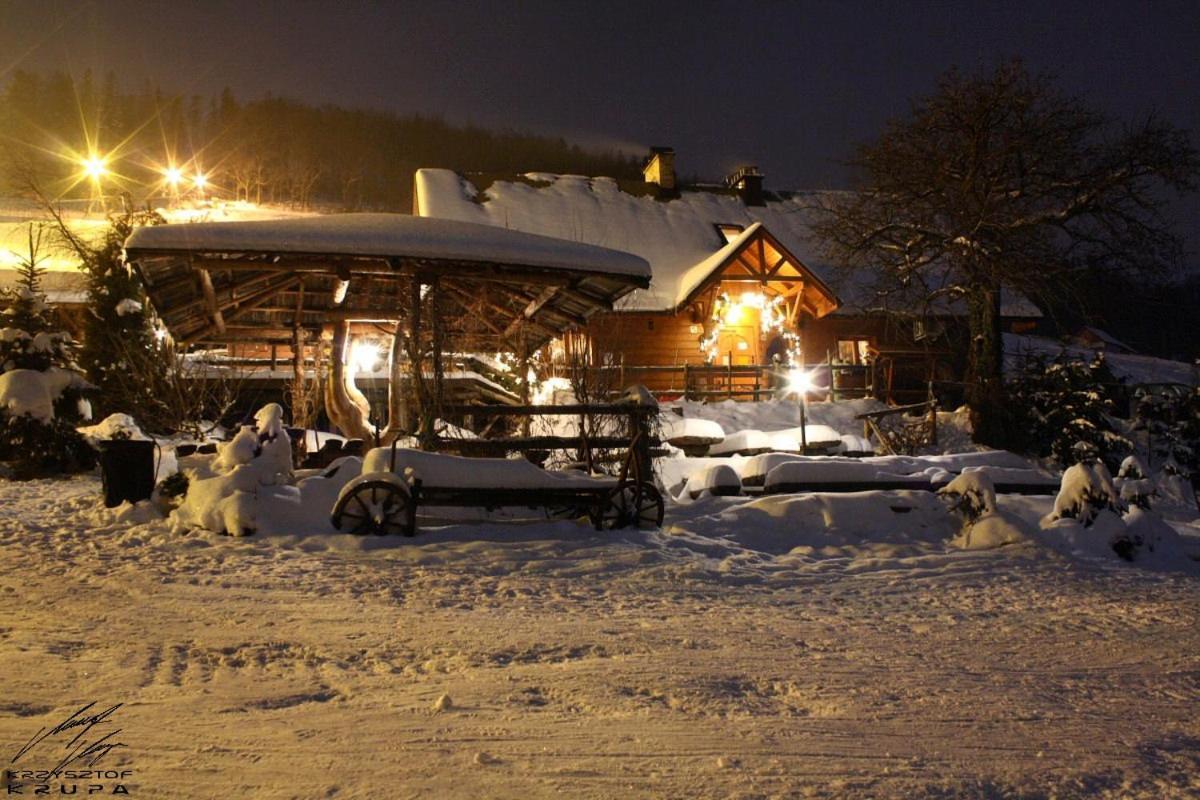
x: 243, y: 307
x: 210, y: 299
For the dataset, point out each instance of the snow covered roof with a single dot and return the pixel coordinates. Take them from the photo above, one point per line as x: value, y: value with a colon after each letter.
x: 256, y: 280
x: 1129, y: 367
x: 678, y: 237
x: 387, y: 236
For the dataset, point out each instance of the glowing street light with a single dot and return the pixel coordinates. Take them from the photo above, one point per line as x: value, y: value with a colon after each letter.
x: 95, y: 167
x: 800, y: 381
x: 200, y: 180
x: 173, y: 176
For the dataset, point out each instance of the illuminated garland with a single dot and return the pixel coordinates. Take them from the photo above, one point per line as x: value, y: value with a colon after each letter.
x: 772, y: 318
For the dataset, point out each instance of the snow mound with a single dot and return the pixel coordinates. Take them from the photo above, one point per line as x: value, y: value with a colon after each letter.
x: 854, y: 523
x: 815, y: 435
x: 689, y: 431
x: 30, y: 392
x: 744, y: 442
x: 792, y: 475
x: 993, y: 530
x: 224, y: 497
x: 114, y: 426
x: 718, y: 479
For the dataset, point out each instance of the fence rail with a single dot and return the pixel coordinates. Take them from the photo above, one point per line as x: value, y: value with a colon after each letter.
x: 737, y: 381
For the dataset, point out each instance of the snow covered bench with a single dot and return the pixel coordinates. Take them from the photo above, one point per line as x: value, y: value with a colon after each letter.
x: 395, y: 481
x: 784, y: 472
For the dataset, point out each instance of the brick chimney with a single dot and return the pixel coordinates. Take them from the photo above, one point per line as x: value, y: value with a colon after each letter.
x: 660, y: 168
x: 748, y: 182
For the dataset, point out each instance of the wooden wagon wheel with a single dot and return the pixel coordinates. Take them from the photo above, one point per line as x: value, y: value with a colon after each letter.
x: 374, y: 507
x: 637, y: 504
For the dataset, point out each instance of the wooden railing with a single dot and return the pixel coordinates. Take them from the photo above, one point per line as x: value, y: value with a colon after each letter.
x: 920, y: 427
x: 736, y: 382
x: 638, y: 439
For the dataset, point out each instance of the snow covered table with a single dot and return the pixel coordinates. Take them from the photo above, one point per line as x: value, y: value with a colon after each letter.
x: 395, y: 481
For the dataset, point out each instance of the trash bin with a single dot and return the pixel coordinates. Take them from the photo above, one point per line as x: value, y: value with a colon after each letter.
x: 127, y: 470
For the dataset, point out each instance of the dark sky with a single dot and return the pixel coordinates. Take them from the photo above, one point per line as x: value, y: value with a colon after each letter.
x: 789, y: 86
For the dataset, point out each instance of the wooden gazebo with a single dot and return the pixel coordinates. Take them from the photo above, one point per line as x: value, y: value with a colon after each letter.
x: 440, y: 285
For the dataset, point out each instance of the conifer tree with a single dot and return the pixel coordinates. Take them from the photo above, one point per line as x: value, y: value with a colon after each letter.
x: 35, y: 446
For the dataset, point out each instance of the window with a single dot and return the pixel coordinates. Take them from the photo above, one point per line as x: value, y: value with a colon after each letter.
x: 854, y: 351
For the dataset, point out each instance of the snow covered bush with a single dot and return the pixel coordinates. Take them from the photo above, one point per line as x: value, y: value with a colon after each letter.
x: 972, y: 496
x: 35, y: 449
x: 1135, y: 483
x: 1062, y: 409
x: 1084, y: 494
x: 41, y: 391
x: 224, y: 498
x: 1170, y: 416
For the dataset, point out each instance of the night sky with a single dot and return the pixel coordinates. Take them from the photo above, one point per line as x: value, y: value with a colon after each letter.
x: 789, y: 86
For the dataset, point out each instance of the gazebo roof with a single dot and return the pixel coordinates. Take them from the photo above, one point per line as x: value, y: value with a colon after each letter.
x: 257, y: 281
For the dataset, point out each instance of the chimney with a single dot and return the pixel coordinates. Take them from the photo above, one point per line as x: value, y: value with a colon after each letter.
x: 748, y: 182
x: 660, y: 168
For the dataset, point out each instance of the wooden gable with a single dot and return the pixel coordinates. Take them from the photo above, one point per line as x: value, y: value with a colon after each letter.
x: 762, y: 261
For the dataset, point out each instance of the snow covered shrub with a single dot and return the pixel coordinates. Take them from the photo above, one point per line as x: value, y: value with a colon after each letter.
x: 972, y: 496
x: 173, y: 486
x: 1170, y: 416
x: 1083, y: 494
x: 35, y: 448
x: 1135, y: 484
x: 224, y: 500
x: 1062, y: 408
x: 41, y: 391
x: 28, y: 339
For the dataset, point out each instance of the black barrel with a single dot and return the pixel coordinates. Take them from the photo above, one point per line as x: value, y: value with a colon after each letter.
x: 127, y: 470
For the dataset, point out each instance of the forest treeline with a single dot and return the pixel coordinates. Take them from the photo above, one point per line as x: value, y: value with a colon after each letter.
x: 269, y: 150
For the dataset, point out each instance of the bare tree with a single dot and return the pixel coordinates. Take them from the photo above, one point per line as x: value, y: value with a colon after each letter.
x: 1000, y: 181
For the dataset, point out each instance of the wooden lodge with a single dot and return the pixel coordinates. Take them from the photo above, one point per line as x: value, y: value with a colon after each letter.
x: 739, y: 292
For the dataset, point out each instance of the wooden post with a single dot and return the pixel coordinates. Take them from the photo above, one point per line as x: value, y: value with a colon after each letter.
x: 398, y: 408
x: 299, y: 395
x: 523, y: 366
x: 687, y: 381
x: 415, y: 359
x: 343, y: 410
x: 438, y: 337
x: 639, y: 423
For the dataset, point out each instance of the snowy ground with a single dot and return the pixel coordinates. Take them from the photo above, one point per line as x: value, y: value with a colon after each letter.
x: 704, y: 661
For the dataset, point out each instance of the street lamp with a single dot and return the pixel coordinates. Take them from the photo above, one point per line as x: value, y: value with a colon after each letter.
x: 95, y: 167
x: 800, y: 382
x: 173, y: 176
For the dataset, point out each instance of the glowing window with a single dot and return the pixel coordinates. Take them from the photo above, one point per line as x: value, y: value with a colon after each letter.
x: 854, y: 351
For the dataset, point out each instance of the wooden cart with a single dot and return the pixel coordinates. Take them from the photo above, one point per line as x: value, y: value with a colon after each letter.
x: 386, y: 501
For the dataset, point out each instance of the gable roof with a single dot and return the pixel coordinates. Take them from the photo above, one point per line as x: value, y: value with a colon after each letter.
x: 678, y: 237
x: 507, y: 289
